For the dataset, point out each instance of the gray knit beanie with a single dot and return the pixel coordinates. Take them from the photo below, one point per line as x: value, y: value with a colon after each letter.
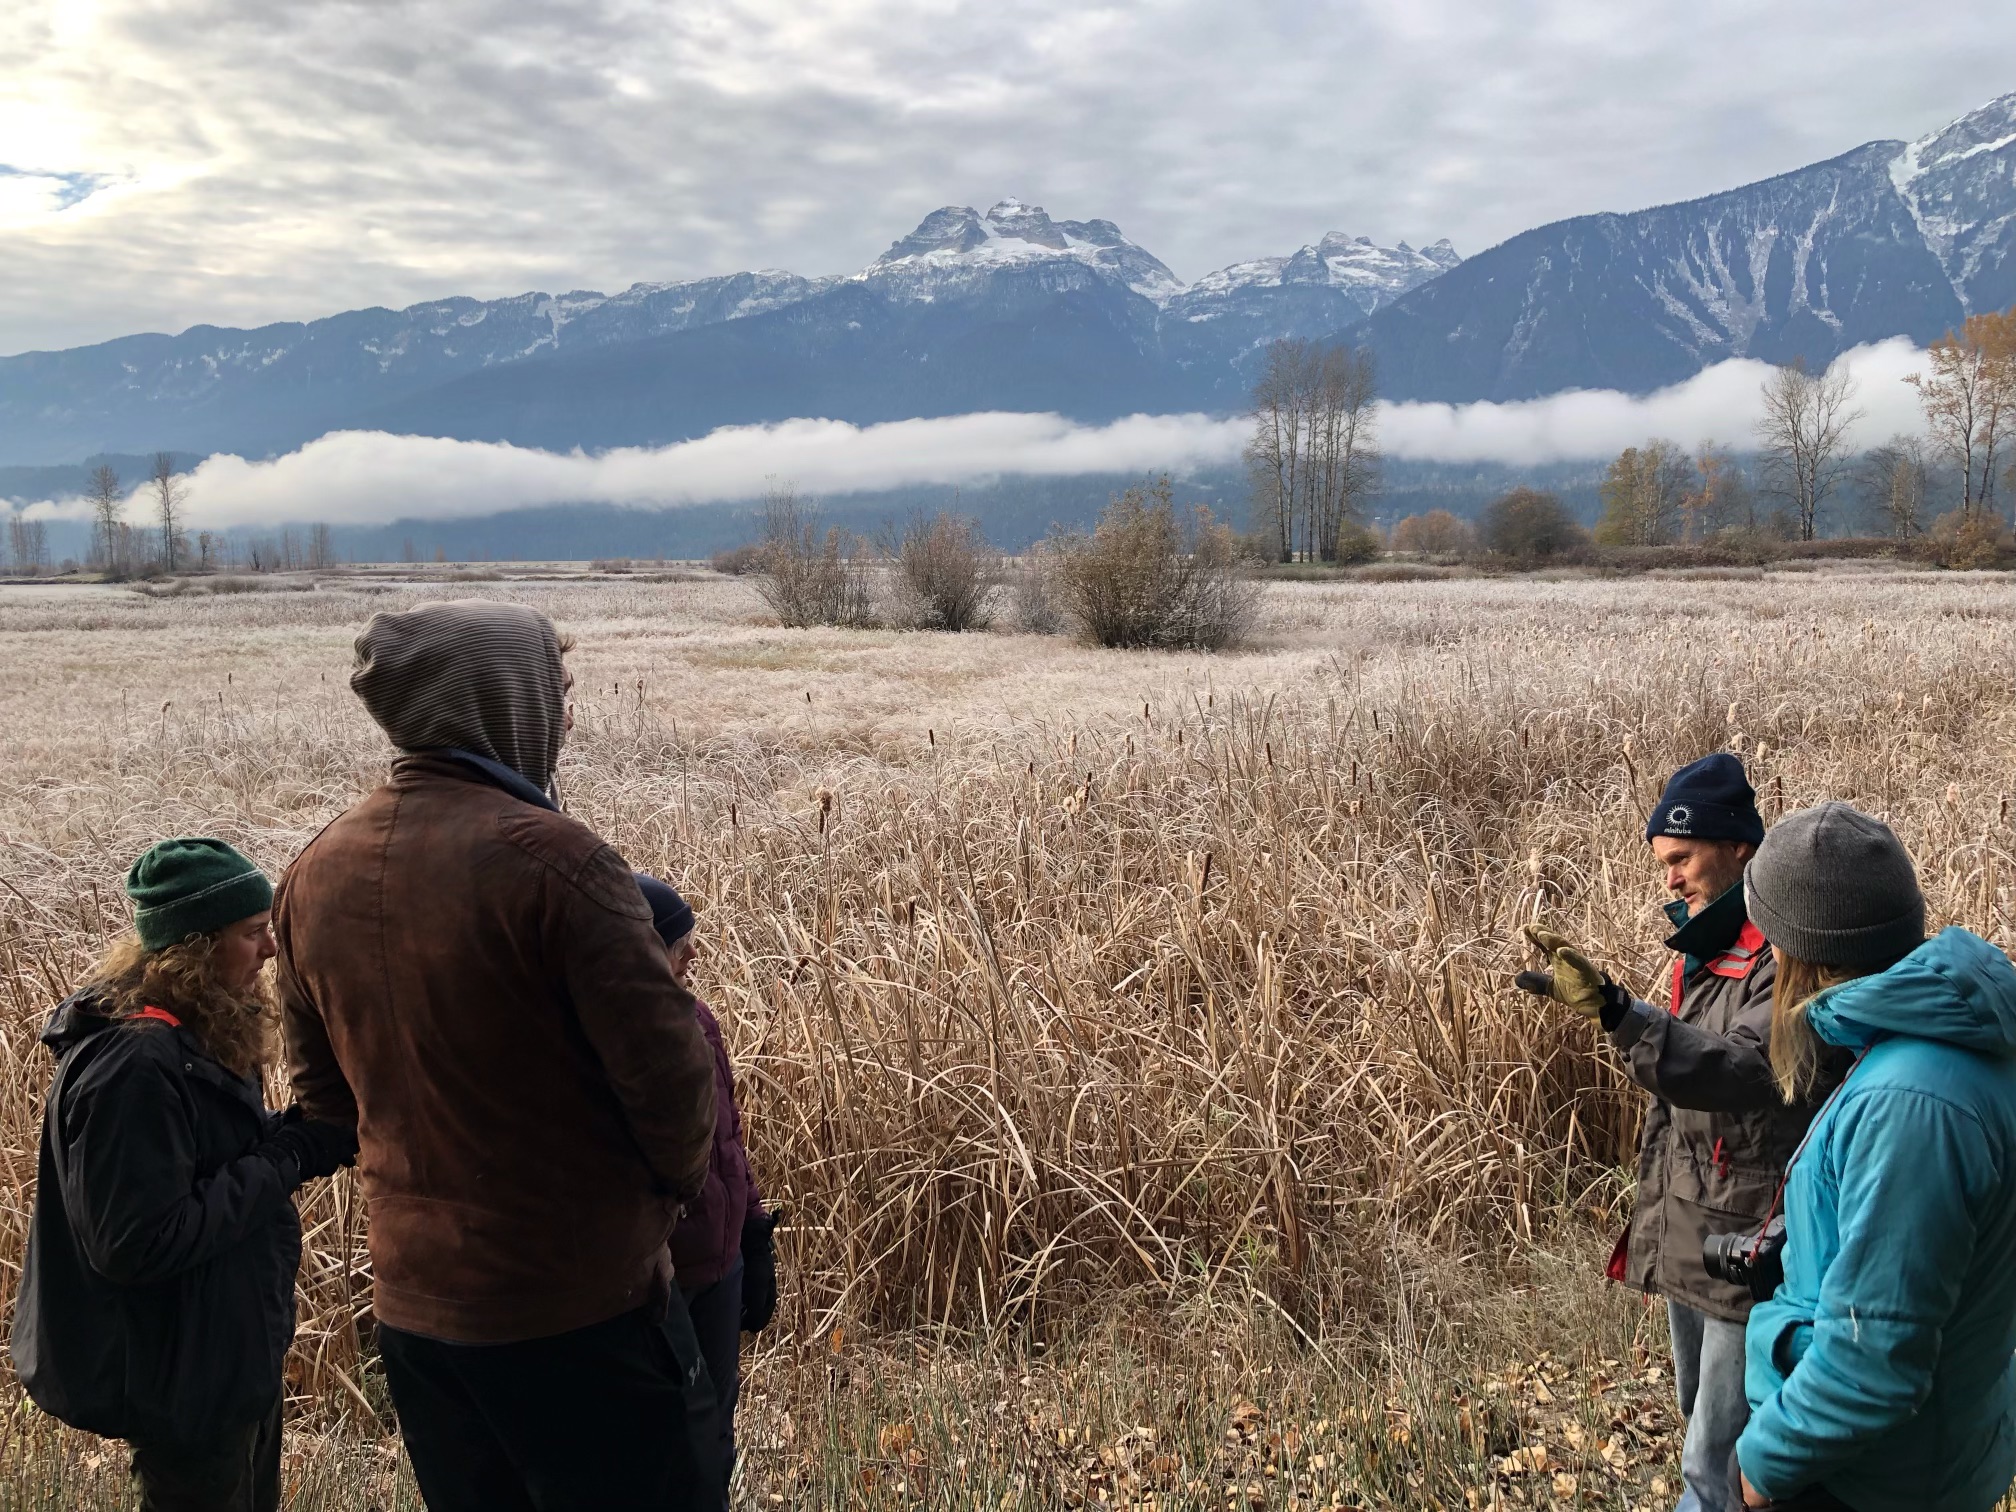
x: 1834, y: 887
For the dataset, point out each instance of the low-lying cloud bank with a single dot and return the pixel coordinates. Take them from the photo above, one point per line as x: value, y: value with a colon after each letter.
x: 370, y: 477
x: 1718, y: 403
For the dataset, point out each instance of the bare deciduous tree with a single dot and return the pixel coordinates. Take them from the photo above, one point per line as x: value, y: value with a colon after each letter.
x: 1896, y: 483
x: 1313, y: 458
x: 27, y: 544
x: 1969, y: 399
x: 1803, y: 436
x: 170, y: 494
x: 108, y: 502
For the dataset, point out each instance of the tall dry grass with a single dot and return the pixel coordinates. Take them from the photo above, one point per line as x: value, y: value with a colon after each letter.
x: 1065, y: 981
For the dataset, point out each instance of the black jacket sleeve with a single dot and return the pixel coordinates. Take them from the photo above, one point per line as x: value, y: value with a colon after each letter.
x: 139, y: 1209
x: 1693, y: 1068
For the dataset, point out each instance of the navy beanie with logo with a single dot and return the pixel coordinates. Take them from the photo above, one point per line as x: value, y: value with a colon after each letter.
x: 1709, y: 799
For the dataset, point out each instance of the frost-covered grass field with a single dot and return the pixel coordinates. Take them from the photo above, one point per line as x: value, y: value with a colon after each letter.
x: 1128, y: 1036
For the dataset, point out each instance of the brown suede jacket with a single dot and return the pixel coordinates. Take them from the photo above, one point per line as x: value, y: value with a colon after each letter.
x: 474, y: 980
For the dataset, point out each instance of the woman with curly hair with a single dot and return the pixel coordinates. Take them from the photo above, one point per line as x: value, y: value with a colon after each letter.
x: 157, y: 1298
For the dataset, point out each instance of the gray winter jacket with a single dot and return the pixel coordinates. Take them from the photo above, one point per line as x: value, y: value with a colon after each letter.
x: 1717, y: 1135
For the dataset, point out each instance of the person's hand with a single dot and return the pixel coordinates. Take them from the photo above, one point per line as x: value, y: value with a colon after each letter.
x: 1752, y: 1497
x: 1572, y: 979
x: 759, y: 1271
x: 310, y: 1147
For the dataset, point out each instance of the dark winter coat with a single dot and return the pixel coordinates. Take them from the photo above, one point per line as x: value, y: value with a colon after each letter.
x: 708, y: 1240
x: 1717, y: 1135
x: 157, y: 1298
x: 473, y: 979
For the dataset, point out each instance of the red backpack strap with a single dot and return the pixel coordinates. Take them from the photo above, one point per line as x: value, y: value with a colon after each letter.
x: 1679, y: 985
x: 160, y: 1016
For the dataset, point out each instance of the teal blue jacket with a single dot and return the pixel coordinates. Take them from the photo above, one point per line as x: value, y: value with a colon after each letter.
x: 1882, y: 1368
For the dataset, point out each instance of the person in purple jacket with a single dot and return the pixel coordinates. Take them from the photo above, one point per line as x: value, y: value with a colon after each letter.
x: 721, y: 1249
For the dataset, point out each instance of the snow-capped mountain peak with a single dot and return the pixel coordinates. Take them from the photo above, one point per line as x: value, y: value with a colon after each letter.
x: 956, y: 242
x: 1957, y: 182
x: 1367, y: 274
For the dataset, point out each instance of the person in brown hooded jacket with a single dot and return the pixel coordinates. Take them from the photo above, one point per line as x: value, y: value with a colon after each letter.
x: 1718, y: 1135
x: 472, y: 977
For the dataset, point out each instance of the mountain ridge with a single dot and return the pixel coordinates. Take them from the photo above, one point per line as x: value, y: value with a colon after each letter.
x: 272, y: 387
x: 1806, y: 263
x: 1012, y: 309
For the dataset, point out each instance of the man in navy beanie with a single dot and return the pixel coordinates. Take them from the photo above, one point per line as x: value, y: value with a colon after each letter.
x: 1717, y: 1135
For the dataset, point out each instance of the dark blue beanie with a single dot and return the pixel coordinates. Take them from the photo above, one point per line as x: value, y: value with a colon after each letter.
x: 1709, y: 799
x: 671, y: 915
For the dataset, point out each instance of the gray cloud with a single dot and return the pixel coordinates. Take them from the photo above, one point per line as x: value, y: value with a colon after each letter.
x: 255, y: 162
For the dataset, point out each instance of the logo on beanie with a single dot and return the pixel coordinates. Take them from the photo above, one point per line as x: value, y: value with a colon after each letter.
x: 1679, y: 819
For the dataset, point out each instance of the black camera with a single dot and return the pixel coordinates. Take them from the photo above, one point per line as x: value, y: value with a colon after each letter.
x: 1754, y: 1261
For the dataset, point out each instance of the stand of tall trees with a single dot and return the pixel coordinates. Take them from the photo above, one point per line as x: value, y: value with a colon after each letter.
x: 1803, y: 438
x: 27, y: 545
x: 1314, y: 455
x: 1969, y: 398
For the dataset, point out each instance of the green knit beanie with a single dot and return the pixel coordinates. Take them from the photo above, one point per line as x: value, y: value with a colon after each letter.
x: 193, y: 886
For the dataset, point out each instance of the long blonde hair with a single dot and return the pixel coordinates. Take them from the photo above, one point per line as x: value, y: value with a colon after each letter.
x: 1795, y: 1047
x: 238, y: 1029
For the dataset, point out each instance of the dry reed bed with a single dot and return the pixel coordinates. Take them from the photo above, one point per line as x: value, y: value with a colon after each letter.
x: 1053, y: 972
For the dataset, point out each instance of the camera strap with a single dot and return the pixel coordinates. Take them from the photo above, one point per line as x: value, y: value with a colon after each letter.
x: 1805, y: 1139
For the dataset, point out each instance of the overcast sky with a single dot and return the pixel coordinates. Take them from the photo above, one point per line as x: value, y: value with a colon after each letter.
x: 170, y: 162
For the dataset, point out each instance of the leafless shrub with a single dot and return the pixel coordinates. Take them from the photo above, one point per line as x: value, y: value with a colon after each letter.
x: 1141, y: 579
x: 1038, y: 590
x: 737, y: 560
x: 947, y: 576
x: 808, y: 577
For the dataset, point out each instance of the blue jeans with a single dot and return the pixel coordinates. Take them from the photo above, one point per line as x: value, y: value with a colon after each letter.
x: 1708, y: 1371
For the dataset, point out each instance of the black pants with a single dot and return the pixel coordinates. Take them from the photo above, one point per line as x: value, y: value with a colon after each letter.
x: 235, y: 1472
x: 589, y: 1421
x: 717, y: 1322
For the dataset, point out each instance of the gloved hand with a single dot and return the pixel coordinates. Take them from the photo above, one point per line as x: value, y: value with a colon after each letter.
x: 307, y: 1147
x: 1574, y: 980
x: 759, y: 1271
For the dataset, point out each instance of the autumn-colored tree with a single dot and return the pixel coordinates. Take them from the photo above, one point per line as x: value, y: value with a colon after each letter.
x: 1969, y: 399
x: 1804, y: 431
x: 1643, y: 493
x: 1720, y: 496
x: 1436, y: 533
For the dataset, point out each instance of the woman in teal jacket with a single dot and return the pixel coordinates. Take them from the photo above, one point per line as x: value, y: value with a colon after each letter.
x: 1879, y: 1375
